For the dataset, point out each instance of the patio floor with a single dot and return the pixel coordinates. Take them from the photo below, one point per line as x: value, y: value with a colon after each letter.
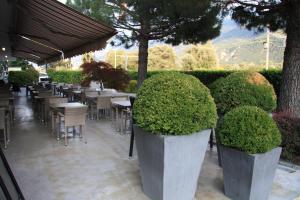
x: 46, y: 169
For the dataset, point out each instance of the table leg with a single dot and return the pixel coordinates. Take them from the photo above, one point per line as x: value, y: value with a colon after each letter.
x: 131, y: 142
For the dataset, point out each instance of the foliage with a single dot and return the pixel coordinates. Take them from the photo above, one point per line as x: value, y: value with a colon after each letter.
x: 241, y: 89
x: 274, y: 77
x: 188, y: 62
x: 174, y: 104
x: 22, y: 78
x: 290, y: 132
x: 124, y: 59
x: 102, y: 71
x: 65, y: 76
x: 254, y: 15
x: 173, y: 21
x: 88, y: 57
x: 207, y: 77
x: 204, y: 57
x: 161, y: 57
x: 23, y: 64
x: 97, y: 9
x: 249, y: 129
x: 62, y: 65
x: 132, y: 86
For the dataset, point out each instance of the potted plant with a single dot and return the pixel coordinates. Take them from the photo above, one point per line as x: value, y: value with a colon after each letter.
x: 174, y: 113
x: 249, y: 140
x: 245, y: 88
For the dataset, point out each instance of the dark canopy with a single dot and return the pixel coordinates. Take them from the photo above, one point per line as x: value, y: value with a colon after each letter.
x: 43, y: 30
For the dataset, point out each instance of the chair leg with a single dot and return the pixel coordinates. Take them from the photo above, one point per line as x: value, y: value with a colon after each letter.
x: 66, y: 135
x: 8, y: 130
x: 5, y: 137
x: 80, y: 131
x: 59, y: 129
x: 84, y: 134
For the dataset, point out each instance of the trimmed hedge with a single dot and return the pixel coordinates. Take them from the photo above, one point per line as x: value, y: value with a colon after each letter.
x: 290, y: 132
x: 249, y: 129
x: 174, y: 104
x: 205, y: 76
x: 208, y: 77
x: 243, y: 89
x: 22, y: 78
x: 132, y: 86
x: 64, y: 76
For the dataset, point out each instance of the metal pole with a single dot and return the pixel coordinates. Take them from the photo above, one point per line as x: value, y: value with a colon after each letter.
x: 268, y: 49
x: 115, y: 58
x: 126, y: 61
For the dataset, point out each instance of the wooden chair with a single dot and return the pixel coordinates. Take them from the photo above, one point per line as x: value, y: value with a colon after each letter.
x: 5, y: 125
x: 53, y: 115
x: 73, y: 117
x: 101, y: 107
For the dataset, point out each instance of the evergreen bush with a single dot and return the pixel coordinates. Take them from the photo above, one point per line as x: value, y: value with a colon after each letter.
x: 243, y: 89
x: 173, y: 103
x: 249, y: 129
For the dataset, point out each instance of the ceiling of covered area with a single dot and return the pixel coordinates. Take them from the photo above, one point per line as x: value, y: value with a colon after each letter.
x: 42, y: 31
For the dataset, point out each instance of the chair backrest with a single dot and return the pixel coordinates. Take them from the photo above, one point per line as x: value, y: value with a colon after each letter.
x: 75, y: 116
x: 2, y: 118
x: 103, y: 102
x: 45, y: 93
x: 108, y: 91
x: 57, y: 100
x: 119, y: 98
x: 4, y: 102
x: 5, y: 94
x: 91, y: 93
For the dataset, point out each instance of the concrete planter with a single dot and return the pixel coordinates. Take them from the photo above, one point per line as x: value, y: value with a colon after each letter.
x: 170, y: 165
x: 248, y: 177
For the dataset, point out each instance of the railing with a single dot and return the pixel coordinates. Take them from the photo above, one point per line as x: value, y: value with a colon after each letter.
x: 9, y: 188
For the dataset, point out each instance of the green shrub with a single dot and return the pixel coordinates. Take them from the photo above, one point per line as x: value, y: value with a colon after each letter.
x: 174, y: 104
x: 22, y: 78
x: 243, y: 88
x: 249, y: 129
x: 132, y: 86
x: 289, y: 127
x: 66, y: 76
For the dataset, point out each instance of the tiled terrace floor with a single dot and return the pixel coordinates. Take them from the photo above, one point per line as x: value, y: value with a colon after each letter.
x: 46, y: 169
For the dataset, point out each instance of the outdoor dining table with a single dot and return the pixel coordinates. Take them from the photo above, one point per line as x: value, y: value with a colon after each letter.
x: 124, y: 104
x: 60, y: 108
x: 120, y: 105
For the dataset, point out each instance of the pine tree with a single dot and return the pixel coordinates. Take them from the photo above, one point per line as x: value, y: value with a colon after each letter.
x: 171, y: 21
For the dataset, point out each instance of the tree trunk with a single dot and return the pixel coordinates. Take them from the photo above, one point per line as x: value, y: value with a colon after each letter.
x: 143, y: 60
x: 289, y: 98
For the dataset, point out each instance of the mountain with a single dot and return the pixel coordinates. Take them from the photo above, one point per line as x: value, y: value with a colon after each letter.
x: 237, y: 46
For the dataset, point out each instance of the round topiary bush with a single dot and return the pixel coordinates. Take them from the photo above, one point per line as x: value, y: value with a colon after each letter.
x: 249, y: 129
x: 174, y: 104
x: 243, y: 89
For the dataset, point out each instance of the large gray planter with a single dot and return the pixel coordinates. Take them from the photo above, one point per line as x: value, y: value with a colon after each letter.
x: 170, y: 165
x: 248, y: 177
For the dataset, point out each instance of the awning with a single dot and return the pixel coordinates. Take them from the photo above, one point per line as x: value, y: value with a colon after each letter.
x: 43, y: 30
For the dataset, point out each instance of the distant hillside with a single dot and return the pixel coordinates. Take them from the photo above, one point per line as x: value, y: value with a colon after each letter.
x: 237, y: 46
